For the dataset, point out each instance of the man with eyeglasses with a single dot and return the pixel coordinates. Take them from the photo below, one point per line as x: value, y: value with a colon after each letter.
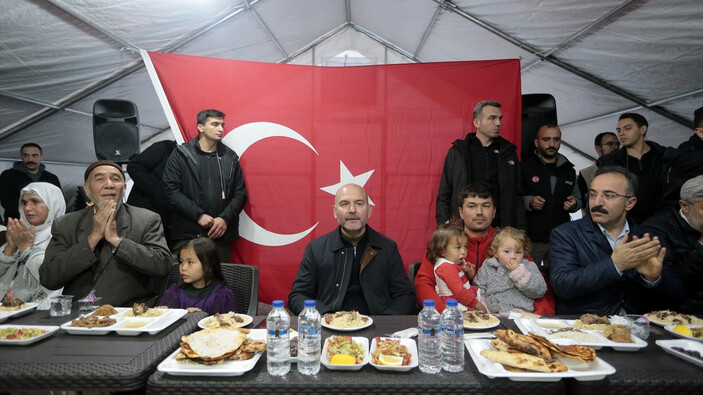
x: 605, y: 143
x: 644, y: 158
x: 606, y: 263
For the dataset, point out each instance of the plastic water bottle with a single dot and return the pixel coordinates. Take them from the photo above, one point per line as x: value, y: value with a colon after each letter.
x: 278, y: 340
x: 452, y: 338
x: 428, y: 326
x: 309, y: 331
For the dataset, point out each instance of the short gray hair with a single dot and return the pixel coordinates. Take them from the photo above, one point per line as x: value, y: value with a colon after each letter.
x: 692, y: 190
x: 479, y: 107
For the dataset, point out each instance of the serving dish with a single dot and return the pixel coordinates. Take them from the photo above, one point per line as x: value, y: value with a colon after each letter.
x: 150, y: 325
x: 5, y: 314
x: 227, y: 368
x: 332, y: 366
x: 335, y: 328
x: 488, y: 326
x: 542, y: 327
x: 670, y: 329
x: 412, y: 350
x: 668, y: 346
x: 247, y: 320
x: 50, y: 329
x: 596, y: 370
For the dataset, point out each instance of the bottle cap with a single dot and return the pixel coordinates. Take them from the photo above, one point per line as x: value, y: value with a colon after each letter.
x: 428, y: 303
x: 277, y: 303
x: 310, y: 303
x: 452, y: 302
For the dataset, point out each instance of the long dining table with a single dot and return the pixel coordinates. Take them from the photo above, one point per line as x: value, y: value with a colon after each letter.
x: 646, y: 371
x: 69, y: 362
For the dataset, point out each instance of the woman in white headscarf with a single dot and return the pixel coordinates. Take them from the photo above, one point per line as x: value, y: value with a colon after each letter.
x: 27, y: 238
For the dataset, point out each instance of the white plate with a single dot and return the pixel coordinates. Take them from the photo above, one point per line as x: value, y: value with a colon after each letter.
x: 668, y: 346
x: 49, y: 328
x: 654, y: 320
x: 596, y: 370
x: 412, y: 350
x: 357, y: 339
x: 247, y: 320
x: 153, y: 325
x: 670, y: 329
x: 228, y: 368
x: 536, y: 326
x: 489, y: 326
x: 334, y: 328
x: 4, y: 315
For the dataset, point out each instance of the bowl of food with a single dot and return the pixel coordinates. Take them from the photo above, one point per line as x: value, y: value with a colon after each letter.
x: 345, y: 353
x: 393, y: 354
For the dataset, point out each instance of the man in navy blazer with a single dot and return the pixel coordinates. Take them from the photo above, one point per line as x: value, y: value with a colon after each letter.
x: 606, y: 264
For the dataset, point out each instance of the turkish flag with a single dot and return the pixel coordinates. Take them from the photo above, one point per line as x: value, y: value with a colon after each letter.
x: 303, y: 131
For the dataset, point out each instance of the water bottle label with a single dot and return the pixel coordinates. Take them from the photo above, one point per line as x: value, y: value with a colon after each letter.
x: 453, y: 331
x: 308, y: 330
x: 429, y: 332
x: 278, y: 332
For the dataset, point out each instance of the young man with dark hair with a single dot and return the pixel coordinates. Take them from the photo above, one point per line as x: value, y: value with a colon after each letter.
x: 684, y: 163
x: 23, y: 172
x: 205, y: 187
x: 605, y: 143
x: 642, y: 157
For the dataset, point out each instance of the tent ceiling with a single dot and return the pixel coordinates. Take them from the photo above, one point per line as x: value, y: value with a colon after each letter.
x: 598, y: 59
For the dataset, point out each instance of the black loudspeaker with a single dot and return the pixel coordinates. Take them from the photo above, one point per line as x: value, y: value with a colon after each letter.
x: 537, y: 108
x: 115, y: 130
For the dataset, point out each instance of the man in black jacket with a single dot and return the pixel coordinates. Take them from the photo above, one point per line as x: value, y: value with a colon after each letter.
x: 643, y: 158
x: 353, y: 267
x: 205, y: 187
x: 483, y: 156
x: 147, y: 171
x: 684, y: 163
x: 23, y: 172
x: 549, y: 182
x: 680, y: 231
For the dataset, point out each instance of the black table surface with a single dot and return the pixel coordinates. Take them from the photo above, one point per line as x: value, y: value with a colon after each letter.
x: 83, y: 362
x: 646, y: 371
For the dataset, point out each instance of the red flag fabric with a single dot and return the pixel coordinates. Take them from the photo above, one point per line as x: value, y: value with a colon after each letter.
x: 303, y: 131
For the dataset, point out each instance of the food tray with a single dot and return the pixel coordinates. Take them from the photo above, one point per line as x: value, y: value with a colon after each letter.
x: 668, y: 346
x: 4, y: 315
x: 151, y: 325
x: 596, y: 370
x: 227, y: 368
x: 23, y: 342
x: 332, y: 366
x: 543, y: 326
x: 412, y: 350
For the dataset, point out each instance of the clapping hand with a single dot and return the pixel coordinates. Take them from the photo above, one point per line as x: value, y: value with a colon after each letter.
x: 629, y: 255
x: 651, y: 268
x: 19, y: 236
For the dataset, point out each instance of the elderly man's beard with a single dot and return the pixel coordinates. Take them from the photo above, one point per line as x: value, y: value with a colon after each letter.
x: 692, y: 221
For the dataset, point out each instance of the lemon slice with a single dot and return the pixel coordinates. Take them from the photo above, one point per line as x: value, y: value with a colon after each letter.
x: 390, y: 360
x: 683, y: 330
x: 342, y: 359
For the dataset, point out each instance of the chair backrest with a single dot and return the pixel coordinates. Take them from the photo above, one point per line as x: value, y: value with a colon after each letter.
x: 412, y: 271
x: 243, y: 280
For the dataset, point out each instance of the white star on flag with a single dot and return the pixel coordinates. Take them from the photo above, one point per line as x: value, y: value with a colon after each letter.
x: 346, y: 177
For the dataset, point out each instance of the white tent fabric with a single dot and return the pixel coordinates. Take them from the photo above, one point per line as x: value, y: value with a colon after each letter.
x: 598, y: 59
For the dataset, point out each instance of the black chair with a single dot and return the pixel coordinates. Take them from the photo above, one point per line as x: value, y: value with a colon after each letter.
x: 412, y: 271
x: 243, y: 280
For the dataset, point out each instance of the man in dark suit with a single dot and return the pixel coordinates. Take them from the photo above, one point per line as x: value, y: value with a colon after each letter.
x: 607, y: 264
x: 110, y: 247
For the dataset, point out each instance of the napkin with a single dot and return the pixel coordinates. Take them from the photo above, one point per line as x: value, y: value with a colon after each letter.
x: 405, y: 333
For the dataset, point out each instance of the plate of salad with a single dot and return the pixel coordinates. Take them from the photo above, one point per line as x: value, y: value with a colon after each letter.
x: 20, y: 335
x: 345, y: 352
x: 393, y: 354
